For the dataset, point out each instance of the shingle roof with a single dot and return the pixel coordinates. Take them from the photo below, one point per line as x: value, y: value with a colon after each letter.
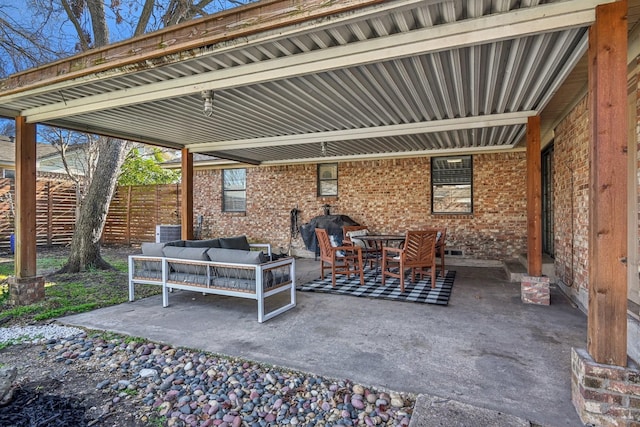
x: 8, y: 151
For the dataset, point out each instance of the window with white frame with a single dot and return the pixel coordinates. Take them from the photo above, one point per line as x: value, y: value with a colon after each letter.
x: 234, y: 190
x: 452, y: 185
x: 328, y: 179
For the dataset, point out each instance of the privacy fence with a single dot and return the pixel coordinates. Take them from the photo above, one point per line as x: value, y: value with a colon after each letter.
x: 133, y: 214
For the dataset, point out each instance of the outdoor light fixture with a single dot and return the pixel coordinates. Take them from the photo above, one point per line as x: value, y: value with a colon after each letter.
x: 207, y: 97
x: 323, y: 148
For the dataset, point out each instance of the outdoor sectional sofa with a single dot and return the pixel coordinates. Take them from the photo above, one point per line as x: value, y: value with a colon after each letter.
x: 224, y: 266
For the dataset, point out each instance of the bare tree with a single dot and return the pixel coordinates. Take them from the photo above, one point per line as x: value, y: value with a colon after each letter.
x: 85, y: 245
x: 90, y: 22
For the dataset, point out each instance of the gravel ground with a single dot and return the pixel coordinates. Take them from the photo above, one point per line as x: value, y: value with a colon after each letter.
x: 138, y: 383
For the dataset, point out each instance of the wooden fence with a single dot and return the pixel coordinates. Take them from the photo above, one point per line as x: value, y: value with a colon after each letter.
x: 133, y: 213
x: 136, y: 210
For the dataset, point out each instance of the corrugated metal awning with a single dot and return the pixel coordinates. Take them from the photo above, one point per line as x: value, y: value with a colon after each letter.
x: 397, y: 78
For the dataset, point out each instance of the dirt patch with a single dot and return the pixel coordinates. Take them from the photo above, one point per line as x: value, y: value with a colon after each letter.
x: 40, y: 375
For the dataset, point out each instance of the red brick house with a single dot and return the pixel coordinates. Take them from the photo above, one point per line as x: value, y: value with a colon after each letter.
x: 514, y: 124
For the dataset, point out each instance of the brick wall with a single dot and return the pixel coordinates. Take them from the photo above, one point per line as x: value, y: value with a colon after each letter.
x: 387, y: 195
x: 571, y: 197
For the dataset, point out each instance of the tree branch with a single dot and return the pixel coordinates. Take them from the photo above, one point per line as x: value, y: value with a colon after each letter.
x: 82, y: 37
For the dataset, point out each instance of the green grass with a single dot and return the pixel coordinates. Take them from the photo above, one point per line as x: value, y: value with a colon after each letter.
x: 69, y: 293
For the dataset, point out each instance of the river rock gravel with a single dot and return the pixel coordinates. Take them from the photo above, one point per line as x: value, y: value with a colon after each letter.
x: 156, y: 384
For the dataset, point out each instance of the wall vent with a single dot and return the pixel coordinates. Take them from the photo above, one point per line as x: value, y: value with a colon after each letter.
x: 167, y: 233
x: 454, y: 252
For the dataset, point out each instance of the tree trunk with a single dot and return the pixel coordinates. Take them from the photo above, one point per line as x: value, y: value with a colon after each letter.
x: 85, y: 246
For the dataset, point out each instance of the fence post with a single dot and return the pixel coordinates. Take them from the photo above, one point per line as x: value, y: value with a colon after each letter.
x: 49, y: 213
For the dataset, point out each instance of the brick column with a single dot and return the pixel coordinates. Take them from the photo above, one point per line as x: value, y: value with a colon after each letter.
x: 604, y: 395
x: 25, y: 291
x: 535, y: 290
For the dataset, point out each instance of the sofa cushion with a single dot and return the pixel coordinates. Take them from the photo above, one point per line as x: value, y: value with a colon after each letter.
x: 238, y: 242
x: 196, y: 254
x: 211, y: 243
x: 153, y: 249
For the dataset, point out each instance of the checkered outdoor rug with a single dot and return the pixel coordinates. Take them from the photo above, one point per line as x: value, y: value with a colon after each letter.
x: 418, y: 292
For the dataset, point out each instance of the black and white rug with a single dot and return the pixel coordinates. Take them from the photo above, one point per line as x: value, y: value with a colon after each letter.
x: 372, y: 288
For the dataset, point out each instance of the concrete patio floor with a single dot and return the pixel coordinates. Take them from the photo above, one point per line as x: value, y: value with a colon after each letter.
x: 490, y: 359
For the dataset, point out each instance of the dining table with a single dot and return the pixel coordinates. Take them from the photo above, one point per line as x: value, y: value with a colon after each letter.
x: 375, y: 242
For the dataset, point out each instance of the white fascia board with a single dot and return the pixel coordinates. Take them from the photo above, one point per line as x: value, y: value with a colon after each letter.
x: 493, y: 28
x: 475, y: 122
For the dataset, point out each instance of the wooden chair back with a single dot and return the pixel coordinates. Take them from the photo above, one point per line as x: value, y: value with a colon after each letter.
x: 325, y: 245
x: 420, y: 248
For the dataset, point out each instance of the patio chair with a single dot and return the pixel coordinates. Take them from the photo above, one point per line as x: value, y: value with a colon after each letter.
x: 418, y: 253
x: 345, y: 259
x: 350, y: 234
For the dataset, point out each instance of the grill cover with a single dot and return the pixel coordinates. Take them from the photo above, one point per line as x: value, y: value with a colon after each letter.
x: 332, y: 223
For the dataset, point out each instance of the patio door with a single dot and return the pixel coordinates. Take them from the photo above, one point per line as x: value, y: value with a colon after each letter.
x: 547, y: 201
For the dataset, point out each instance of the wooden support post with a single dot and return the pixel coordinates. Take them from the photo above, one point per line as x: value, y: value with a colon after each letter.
x: 25, y: 198
x: 607, y: 316
x: 534, y: 198
x: 187, y: 195
x: 25, y: 288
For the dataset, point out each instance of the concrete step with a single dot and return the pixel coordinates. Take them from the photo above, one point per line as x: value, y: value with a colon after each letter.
x: 516, y: 268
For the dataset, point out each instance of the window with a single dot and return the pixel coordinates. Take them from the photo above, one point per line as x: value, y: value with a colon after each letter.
x: 328, y: 179
x: 451, y: 185
x: 234, y: 190
x: 9, y: 173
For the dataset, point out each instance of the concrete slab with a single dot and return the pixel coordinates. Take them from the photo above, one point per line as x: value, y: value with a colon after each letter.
x: 432, y: 411
x: 486, y: 349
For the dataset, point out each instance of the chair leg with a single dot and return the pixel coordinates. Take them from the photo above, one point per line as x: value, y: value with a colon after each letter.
x: 360, y: 269
x: 383, y: 267
x: 433, y: 276
x: 401, y: 278
x: 333, y: 275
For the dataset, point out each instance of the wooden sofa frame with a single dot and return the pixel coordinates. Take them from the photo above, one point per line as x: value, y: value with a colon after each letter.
x: 281, y: 272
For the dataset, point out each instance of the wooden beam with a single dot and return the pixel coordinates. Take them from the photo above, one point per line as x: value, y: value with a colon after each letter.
x: 25, y: 220
x: 187, y: 195
x: 170, y: 44
x: 534, y: 198
x: 607, y: 315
